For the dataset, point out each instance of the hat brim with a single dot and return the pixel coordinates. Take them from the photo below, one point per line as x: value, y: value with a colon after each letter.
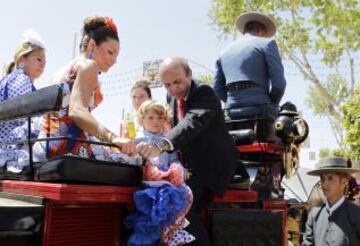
x: 243, y: 19
x: 318, y: 172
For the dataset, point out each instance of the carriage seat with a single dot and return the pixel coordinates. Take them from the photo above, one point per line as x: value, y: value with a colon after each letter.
x: 70, y: 169
x: 26, y: 106
x: 262, y: 126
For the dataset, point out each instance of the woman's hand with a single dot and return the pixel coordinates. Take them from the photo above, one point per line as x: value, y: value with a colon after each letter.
x: 126, y: 145
x: 147, y: 150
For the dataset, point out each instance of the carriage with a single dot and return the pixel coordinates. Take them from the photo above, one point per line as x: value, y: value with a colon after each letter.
x: 70, y: 200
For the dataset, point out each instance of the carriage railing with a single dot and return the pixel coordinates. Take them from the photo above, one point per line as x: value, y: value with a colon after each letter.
x: 34, y: 104
x: 29, y: 105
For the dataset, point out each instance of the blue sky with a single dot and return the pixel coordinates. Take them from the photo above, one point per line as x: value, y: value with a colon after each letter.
x: 148, y: 30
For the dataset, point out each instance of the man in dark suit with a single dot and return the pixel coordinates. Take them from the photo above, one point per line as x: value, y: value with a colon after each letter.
x: 199, y: 134
x: 337, y: 222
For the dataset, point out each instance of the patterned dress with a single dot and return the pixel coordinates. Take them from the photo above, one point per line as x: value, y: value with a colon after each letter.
x: 12, y: 85
x: 163, y: 202
x: 59, y: 124
x: 15, y: 157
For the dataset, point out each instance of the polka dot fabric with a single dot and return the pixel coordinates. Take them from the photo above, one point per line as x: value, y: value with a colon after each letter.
x: 175, y: 234
x: 15, y: 84
x: 15, y: 157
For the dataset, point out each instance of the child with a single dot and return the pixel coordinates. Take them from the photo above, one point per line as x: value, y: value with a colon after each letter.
x: 165, y: 200
x: 27, y: 66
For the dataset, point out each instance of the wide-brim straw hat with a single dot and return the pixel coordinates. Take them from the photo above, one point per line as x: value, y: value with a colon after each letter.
x: 243, y: 19
x: 332, y: 165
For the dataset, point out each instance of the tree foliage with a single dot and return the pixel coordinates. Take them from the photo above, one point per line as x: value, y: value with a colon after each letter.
x: 351, y: 122
x: 205, y: 78
x: 328, y: 29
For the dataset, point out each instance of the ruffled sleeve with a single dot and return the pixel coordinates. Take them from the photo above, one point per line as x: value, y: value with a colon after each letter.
x: 19, y: 84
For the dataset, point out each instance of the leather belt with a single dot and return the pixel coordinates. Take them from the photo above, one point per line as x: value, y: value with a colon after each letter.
x: 241, y: 85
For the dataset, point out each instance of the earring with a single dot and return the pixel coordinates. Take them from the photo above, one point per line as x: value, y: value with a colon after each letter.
x: 90, y: 55
x: 21, y: 65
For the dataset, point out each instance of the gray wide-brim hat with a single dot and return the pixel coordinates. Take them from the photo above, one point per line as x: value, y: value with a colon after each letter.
x: 243, y: 19
x: 332, y: 165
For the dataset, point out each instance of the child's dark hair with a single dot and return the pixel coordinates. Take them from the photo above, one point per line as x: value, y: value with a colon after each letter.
x: 143, y: 84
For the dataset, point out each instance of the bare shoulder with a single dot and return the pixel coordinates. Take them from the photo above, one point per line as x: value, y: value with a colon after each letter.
x: 87, y: 72
x: 87, y: 66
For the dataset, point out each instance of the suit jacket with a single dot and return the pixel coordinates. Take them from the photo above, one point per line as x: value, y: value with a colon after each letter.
x: 250, y: 58
x: 203, y: 139
x: 342, y: 228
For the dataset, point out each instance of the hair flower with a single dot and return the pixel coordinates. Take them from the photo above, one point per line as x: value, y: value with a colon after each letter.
x: 110, y: 23
x: 32, y: 37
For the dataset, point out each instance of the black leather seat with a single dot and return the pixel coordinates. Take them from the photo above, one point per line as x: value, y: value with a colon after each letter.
x: 73, y: 169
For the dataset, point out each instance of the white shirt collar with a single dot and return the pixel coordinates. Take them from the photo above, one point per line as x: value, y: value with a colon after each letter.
x: 248, y: 35
x: 335, y: 205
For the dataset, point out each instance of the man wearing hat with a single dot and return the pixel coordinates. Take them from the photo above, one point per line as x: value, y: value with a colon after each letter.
x: 249, y: 67
x: 337, y: 222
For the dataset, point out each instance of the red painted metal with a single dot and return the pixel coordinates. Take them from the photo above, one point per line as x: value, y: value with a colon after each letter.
x: 78, y: 214
x: 92, y: 214
x: 269, y: 148
x: 70, y: 192
x: 236, y: 196
x: 82, y: 224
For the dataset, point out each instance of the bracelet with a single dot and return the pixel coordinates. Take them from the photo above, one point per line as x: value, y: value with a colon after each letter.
x: 100, y: 133
x: 105, y: 135
x: 162, y: 145
x: 112, y: 137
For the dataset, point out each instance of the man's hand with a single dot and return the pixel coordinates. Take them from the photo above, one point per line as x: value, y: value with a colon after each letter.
x: 126, y: 145
x: 147, y: 150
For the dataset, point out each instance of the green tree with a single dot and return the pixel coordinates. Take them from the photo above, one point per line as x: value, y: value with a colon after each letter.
x: 205, y: 78
x: 337, y: 87
x: 328, y: 152
x: 351, y: 122
x: 328, y: 28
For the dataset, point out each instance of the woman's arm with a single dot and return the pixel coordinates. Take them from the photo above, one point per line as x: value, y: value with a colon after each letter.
x: 82, y: 92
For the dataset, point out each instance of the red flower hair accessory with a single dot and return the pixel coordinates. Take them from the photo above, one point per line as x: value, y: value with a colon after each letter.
x: 109, y: 22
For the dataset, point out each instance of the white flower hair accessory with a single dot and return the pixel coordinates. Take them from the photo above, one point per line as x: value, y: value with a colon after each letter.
x: 32, y: 37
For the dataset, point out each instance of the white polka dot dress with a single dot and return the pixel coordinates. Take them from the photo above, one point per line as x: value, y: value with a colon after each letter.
x: 15, y: 84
